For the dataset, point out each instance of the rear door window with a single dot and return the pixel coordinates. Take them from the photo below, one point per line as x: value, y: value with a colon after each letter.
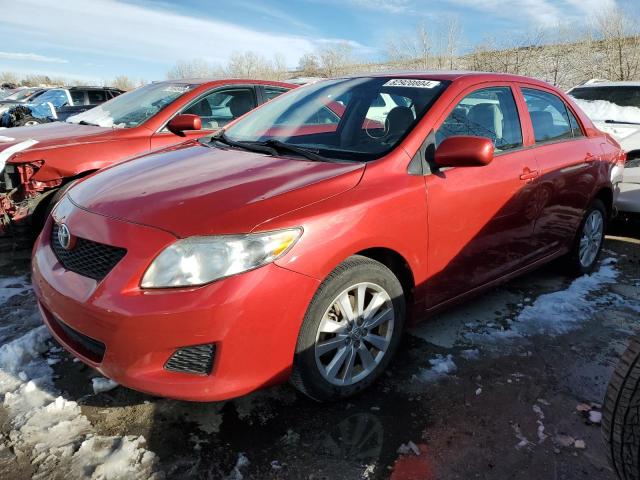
x: 272, y: 92
x: 77, y: 96
x: 488, y: 112
x: 549, y: 116
x: 97, y: 96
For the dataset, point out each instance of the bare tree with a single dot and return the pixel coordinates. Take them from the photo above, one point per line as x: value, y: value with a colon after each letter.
x: 453, y: 33
x: 123, y: 82
x: 9, y: 78
x: 619, y: 39
x: 309, y: 65
x: 414, y: 51
x: 335, y: 59
x: 194, y: 68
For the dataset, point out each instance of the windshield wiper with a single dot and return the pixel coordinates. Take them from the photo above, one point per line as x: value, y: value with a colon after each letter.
x: 84, y: 122
x: 305, y: 152
x: 622, y: 121
x: 250, y: 146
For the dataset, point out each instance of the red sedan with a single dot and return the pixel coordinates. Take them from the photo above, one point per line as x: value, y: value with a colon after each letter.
x: 297, y: 243
x: 38, y: 164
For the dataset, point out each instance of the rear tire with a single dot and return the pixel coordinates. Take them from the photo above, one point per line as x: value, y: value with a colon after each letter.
x: 621, y: 415
x: 350, y: 332
x: 585, y: 253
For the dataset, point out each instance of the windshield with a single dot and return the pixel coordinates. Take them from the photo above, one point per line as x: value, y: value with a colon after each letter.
x: 623, y: 96
x: 57, y: 97
x: 350, y: 119
x: 132, y: 108
x: 22, y: 94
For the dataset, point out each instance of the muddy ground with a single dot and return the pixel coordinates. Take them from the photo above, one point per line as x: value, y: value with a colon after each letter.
x: 503, y: 405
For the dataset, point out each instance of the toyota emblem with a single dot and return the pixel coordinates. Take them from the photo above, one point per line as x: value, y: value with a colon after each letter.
x: 64, y: 237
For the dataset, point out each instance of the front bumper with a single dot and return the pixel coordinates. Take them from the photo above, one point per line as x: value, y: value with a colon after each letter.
x: 253, y: 318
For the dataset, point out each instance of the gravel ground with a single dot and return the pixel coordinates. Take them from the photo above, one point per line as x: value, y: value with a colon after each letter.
x: 488, y: 390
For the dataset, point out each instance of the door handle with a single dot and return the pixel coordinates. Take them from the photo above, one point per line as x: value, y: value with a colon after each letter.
x: 589, y: 157
x: 528, y: 174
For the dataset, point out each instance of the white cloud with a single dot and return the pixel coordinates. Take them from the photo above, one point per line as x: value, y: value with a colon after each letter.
x: 32, y: 57
x: 389, y: 6
x: 545, y: 13
x: 145, y: 32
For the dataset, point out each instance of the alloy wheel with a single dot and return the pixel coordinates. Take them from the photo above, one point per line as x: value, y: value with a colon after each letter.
x: 354, y: 334
x: 591, y: 238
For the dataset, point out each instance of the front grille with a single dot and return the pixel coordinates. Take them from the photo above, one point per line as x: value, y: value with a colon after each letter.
x: 197, y: 359
x: 87, y: 258
x: 85, y: 346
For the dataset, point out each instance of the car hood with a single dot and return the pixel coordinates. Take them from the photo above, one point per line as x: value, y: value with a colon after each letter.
x: 55, y: 134
x: 193, y: 189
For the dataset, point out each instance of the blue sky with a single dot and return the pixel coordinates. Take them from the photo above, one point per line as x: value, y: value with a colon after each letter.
x: 94, y: 40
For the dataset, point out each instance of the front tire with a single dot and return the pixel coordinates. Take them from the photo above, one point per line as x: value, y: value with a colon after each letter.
x: 350, y: 332
x: 587, y: 246
x: 28, y: 122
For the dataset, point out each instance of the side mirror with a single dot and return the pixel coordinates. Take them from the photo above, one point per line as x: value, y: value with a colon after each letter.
x: 464, y: 151
x: 182, y: 123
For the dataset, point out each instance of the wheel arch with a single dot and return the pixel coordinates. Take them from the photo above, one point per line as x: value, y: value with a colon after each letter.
x: 395, y: 262
x: 605, y: 195
x: 633, y: 154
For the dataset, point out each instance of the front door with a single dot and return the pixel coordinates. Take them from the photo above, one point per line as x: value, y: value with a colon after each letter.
x: 479, y: 226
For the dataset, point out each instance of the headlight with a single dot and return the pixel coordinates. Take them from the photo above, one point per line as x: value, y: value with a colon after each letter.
x: 199, y: 260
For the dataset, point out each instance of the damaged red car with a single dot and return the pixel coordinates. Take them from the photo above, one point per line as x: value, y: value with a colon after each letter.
x: 296, y: 243
x: 38, y: 163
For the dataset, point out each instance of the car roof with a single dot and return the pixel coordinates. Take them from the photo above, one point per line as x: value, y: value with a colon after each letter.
x: 82, y: 87
x: 221, y: 81
x: 453, y: 75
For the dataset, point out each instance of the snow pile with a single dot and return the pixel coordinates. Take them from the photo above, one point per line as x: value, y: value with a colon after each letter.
x: 50, y: 430
x: 101, y: 384
x: 440, y: 367
x: 601, y: 110
x: 242, y: 463
x: 112, y: 458
x: 471, y: 354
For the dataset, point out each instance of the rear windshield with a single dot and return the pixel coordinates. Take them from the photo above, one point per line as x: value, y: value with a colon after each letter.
x: 624, y: 96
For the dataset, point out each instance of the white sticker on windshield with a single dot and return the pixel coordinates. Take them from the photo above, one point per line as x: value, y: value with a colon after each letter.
x: 175, y: 89
x: 411, y: 82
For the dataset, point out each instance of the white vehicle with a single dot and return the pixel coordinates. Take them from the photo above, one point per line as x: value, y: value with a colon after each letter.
x: 614, y: 107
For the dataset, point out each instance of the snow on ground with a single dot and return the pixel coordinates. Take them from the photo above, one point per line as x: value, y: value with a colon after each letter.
x: 11, y: 286
x: 555, y: 313
x: 47, y: 429
x: 603, y: 110
x: 479, y: 329
x: 440, y: 366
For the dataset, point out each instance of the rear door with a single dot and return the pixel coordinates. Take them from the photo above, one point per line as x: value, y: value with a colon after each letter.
x: 216, y: 108
x: 568, y: 162
x: 479, y: 227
